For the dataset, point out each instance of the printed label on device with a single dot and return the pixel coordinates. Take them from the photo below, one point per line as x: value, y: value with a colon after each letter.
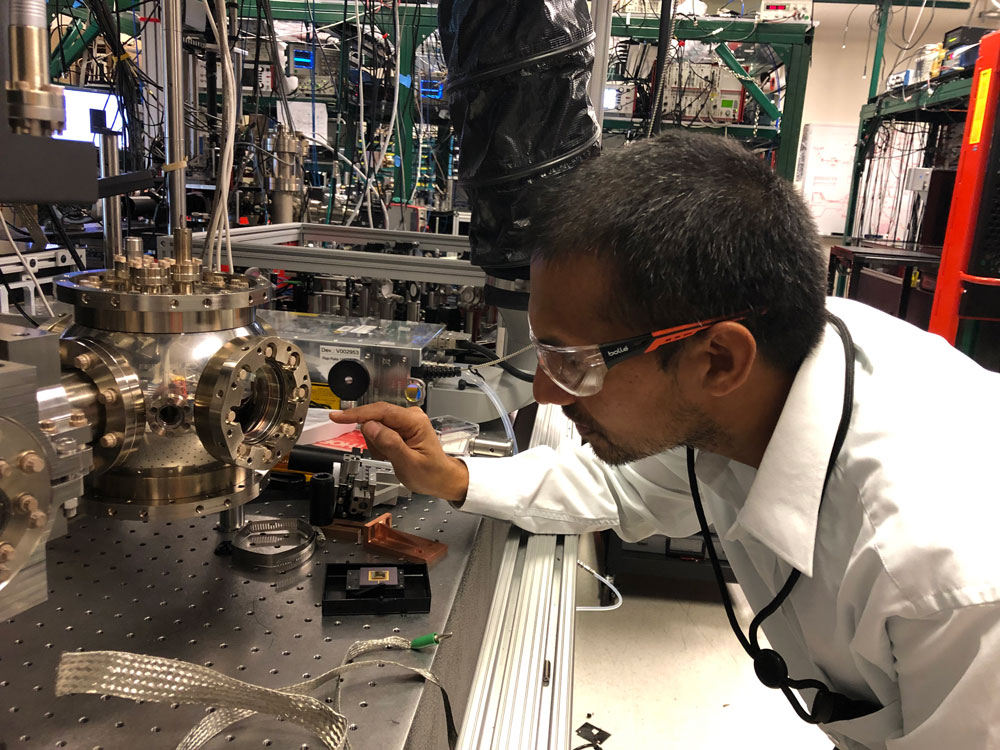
x: 331, y: 354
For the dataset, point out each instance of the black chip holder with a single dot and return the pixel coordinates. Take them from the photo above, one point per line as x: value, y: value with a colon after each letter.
x: 371, y: 589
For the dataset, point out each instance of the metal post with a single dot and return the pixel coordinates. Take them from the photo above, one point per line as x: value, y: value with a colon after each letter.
x: 601, y: 12
x: 234, y: 29
x: 112, y: 205
x: 856, y: 171
x: 797, y: 72
x: 150, y: 62
x: 173, y: 80
x: 232, y: 520
x: 883, y: 27
x: 191, y: 96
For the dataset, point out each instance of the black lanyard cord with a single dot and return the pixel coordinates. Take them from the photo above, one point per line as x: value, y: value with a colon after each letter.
x: 768, y: 664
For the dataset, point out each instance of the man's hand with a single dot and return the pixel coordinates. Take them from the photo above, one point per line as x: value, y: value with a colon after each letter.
x: 405, y: 438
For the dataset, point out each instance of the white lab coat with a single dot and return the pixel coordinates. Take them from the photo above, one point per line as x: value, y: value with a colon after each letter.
x: 899, y: 601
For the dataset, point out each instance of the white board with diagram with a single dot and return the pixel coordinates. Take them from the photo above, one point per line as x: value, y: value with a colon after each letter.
x: 826, y: 153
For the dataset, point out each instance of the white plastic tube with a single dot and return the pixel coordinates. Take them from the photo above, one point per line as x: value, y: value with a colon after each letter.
x: 501, y: 409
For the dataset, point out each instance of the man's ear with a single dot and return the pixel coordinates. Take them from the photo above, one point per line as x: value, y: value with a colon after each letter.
x: 719, y: 361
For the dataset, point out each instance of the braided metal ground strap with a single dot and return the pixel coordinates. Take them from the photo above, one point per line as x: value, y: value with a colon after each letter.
x: 153, y: 678
x: 162, y: 680
x: 218, y: 721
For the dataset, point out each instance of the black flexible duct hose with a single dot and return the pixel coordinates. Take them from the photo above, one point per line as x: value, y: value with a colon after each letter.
x: 518, y: 74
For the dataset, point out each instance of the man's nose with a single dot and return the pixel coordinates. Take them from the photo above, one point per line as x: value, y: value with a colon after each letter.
x: 547, y: 392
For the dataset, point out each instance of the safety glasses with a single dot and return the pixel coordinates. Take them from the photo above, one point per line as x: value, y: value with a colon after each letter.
x: 580, y: 370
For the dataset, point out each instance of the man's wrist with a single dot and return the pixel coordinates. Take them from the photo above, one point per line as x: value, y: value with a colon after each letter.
x: 458, y: 481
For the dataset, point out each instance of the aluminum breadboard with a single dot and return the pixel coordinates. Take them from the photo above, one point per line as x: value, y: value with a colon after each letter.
x: 158, y: 588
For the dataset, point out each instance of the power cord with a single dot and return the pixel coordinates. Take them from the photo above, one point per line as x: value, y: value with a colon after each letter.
x: 610, y: 586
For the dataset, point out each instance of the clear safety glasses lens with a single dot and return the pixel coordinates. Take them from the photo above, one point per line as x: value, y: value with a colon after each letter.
x: 574, y: 372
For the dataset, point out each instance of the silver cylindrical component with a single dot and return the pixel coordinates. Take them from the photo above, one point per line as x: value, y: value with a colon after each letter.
x: 386, y: 308
x: 182, y: 246
x: 36, y: 107
x: 28, y: 13
x: 232, y: 520
x: 173, y: 78
x: 185, y: 271
x: 286, y: 182
x: 488, y: 446
x: 133, y: 248
x: 282, y: 207
x: 329, y: 295
x: 364, y: 303
x: 112, y: 205
x: 29, y: 43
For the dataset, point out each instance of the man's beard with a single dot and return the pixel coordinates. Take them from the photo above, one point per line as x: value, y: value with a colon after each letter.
x: 615, y: 452
x: 698, y: 431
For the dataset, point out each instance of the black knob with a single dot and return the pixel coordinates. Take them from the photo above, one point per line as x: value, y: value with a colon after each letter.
x: 349, y: 379
x: 770, y: 668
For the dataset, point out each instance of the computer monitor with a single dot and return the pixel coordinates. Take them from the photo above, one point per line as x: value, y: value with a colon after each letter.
x: 79, y: 102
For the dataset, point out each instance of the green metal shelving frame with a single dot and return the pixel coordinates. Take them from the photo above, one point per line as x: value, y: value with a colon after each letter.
x: 934, y: 104
x: 82, y: 31
x: 792, y: 43
x: 922, y: 103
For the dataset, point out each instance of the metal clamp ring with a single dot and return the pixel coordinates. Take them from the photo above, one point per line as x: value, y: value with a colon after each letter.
x: 252, y: 400
x: 274, y: 536
x: 119, y: 392
x: 25, y: 497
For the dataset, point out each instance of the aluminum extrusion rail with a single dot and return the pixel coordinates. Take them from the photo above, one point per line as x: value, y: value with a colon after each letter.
x: 522, y: 690
x: 304, y: 248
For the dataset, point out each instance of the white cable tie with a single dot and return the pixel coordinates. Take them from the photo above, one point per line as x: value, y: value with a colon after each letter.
x: 174, y: 166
